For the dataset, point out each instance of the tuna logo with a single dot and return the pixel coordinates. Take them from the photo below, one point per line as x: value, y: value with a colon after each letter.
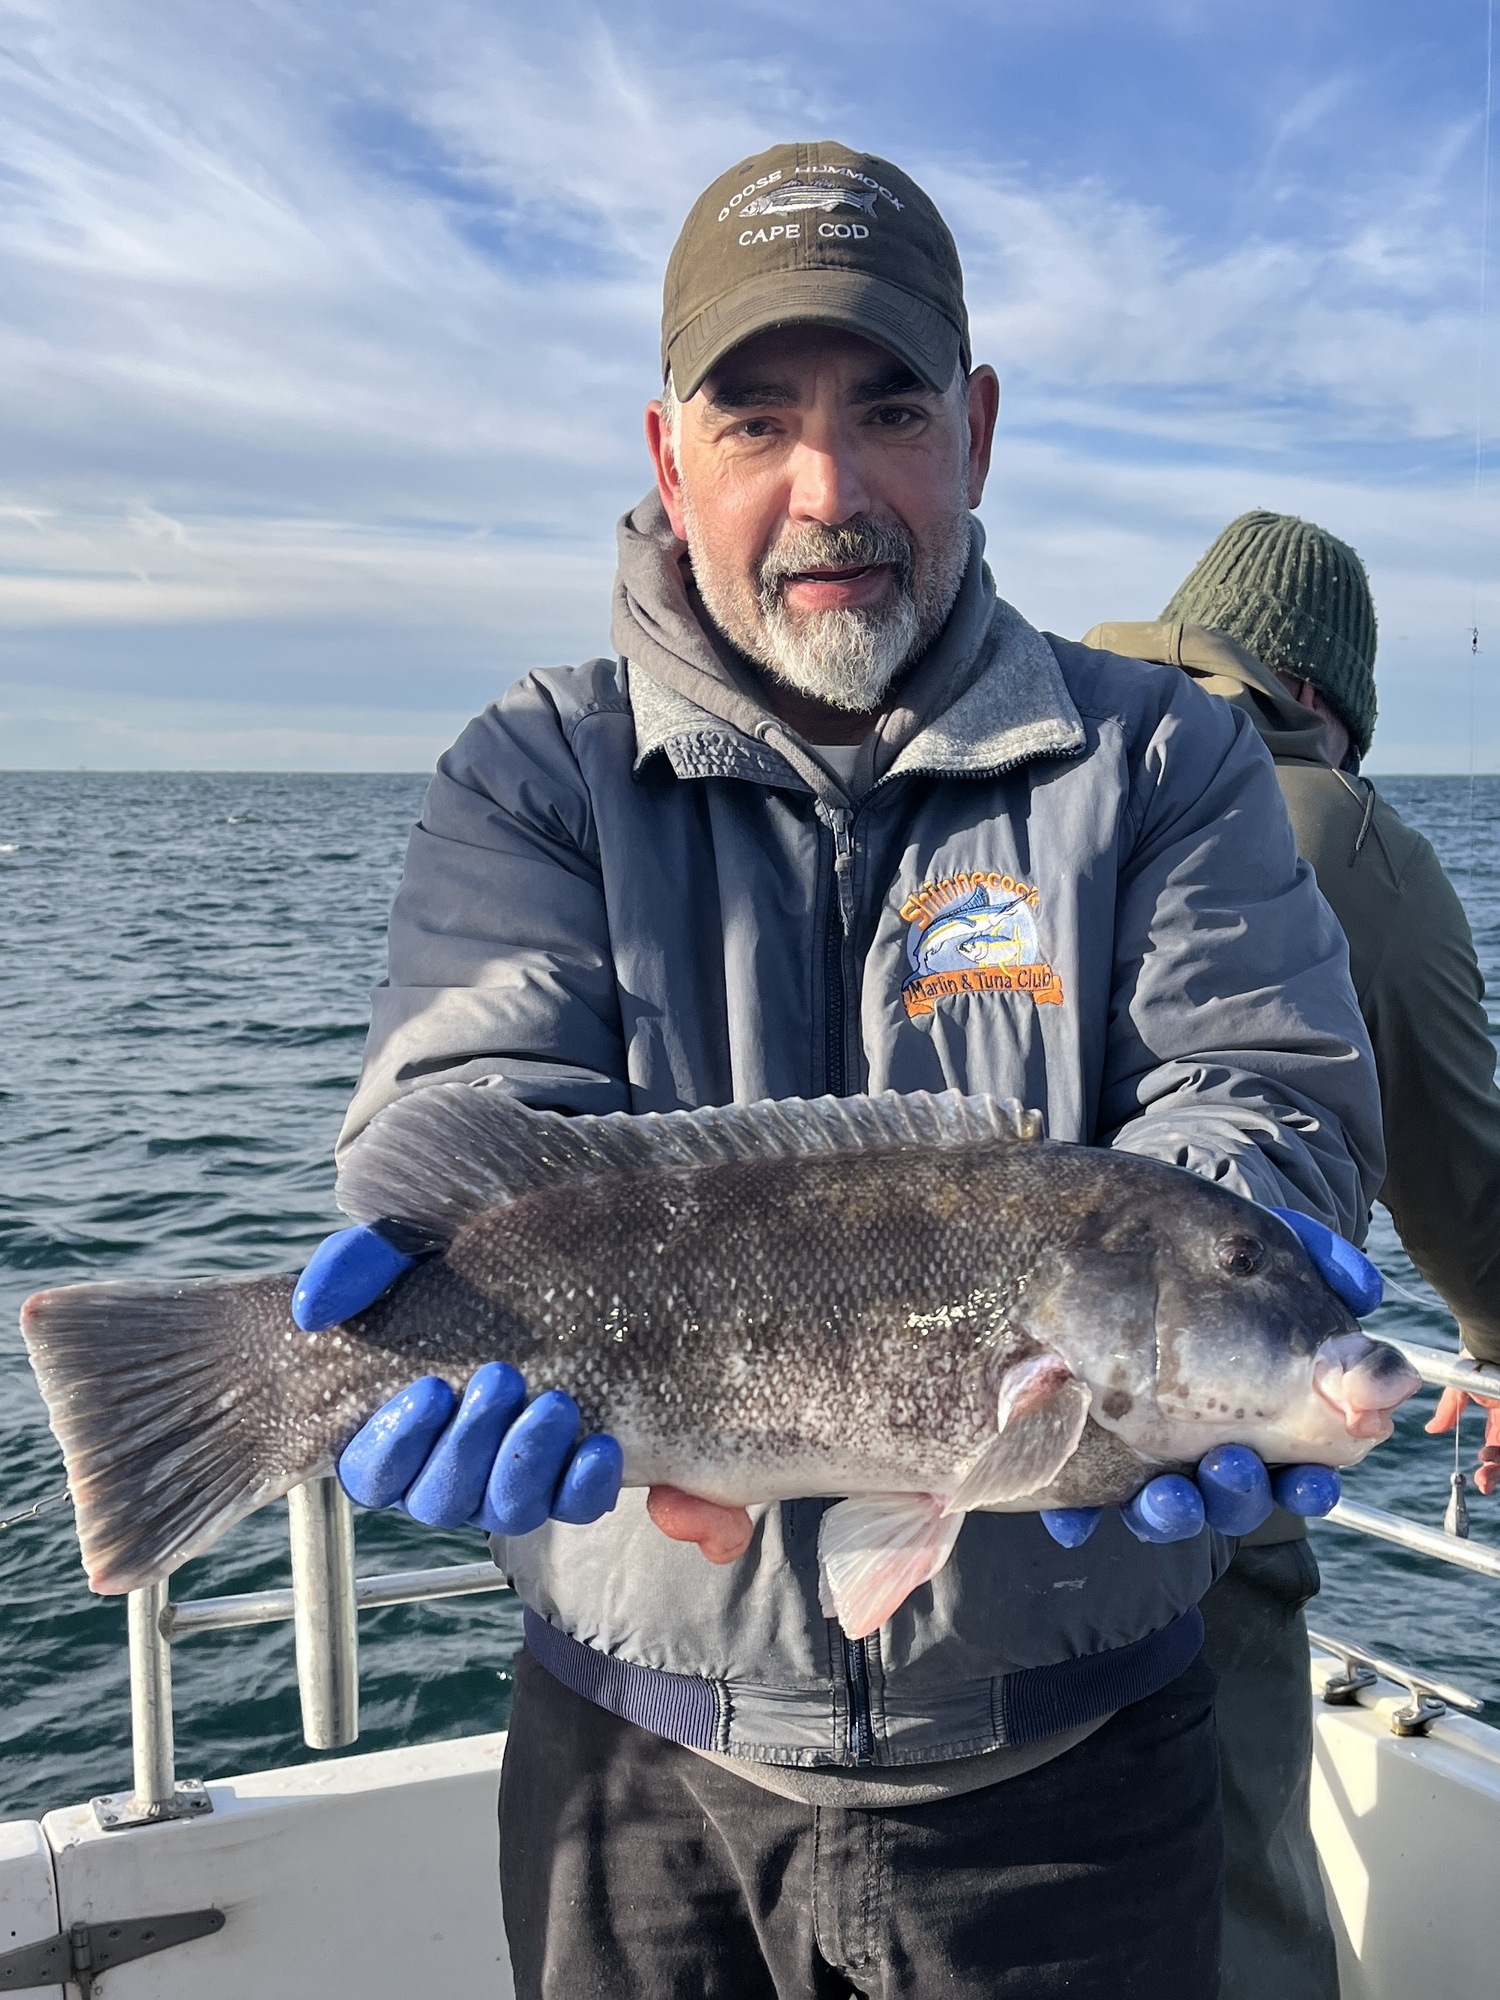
x: 795, y: 197
x: 974, y: 934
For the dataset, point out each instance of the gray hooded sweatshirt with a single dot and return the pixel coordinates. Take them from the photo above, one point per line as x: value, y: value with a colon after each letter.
x: 633, y: 889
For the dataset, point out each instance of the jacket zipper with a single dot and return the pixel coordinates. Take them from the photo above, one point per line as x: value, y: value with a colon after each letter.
x: 840, y: 822
x: 861, y: 1728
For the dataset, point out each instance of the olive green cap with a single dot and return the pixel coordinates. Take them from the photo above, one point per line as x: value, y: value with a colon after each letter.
x: 814, y: 235
x: 1299, y: 600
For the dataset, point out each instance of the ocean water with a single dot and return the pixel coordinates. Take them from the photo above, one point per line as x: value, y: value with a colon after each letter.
x: 185, y: 964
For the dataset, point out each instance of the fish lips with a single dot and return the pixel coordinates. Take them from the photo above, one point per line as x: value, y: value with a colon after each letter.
x: 1365, y: 1382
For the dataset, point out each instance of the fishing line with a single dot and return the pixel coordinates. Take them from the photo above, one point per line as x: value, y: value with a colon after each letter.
x: 1434, y: 1304
x: 1481, y: 383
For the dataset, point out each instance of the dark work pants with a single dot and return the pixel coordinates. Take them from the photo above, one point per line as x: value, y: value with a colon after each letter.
x: 1278, y: 1942
x: 634, y: 1870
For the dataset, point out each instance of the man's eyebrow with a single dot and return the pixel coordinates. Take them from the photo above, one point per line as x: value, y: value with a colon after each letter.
x: 729, y: 394
x: 765, y: 393
x: 898, y: 381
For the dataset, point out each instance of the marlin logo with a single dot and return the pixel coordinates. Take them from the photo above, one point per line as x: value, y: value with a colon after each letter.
x: 977, y: 932
x: 794, y: 197
x: 974, y: 934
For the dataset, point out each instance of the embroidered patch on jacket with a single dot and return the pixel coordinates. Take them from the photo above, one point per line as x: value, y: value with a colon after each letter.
x: 975, y: 934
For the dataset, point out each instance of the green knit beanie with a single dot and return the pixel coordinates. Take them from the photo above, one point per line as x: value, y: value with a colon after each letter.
x: 1298, y: 599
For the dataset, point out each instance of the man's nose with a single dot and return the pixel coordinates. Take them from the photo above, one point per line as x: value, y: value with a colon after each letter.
x: 827, y: 485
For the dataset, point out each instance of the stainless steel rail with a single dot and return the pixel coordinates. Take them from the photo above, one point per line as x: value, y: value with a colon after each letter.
x: 323, y: 1604
x: 151, y: 1731
x: 1427, y: 1702
x: 1443, y: 1370
x: 157, y: 1795
x: 323, y: 1612
x: 1412, y: 1535
x: 371, y: 1593
x: 1391, y: 1670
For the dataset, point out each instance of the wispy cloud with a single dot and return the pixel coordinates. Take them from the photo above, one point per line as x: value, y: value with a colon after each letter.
x: 328, y: 331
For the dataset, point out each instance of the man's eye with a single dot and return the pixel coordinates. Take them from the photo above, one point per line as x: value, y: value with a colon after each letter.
x: 894, y: 417
x: 755, y: 427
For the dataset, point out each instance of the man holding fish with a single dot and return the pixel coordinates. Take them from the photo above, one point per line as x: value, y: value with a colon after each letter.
x: 839, y: 843
x: 828, y: 723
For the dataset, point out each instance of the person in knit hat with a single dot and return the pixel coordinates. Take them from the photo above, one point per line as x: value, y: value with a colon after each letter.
x: 1277, y: 618
x: 1298, y: 599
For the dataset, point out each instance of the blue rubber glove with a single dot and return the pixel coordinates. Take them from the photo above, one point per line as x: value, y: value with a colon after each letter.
x: 1342, y: 1268
x: 493, y: 1461
x: 1230, y: 1490
x: 354, y: 1267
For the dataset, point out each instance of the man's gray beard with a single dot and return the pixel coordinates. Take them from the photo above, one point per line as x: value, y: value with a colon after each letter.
x: 847, y: 658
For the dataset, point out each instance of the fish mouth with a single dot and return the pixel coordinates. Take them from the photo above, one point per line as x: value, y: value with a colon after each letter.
x: 1364, y: 1382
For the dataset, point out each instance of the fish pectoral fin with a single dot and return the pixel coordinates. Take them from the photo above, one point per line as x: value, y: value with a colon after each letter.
x: 1042, y: 1412
x: 874, y: 1551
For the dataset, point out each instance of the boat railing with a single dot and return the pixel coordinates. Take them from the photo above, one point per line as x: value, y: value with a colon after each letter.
x: 323, y: 1603
x: 326, y: 1597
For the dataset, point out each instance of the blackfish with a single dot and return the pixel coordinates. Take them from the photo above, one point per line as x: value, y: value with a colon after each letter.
x: 913, y: 1305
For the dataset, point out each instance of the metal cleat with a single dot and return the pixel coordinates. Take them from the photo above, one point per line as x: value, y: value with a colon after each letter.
x: 1430, y: 1699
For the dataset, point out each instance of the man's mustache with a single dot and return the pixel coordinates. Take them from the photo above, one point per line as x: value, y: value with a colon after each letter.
x: 854, y: 544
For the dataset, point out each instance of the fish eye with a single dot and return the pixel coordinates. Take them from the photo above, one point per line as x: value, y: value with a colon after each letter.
x: 1241, y: 1255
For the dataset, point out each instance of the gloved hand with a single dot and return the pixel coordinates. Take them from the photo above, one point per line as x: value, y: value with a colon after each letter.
x: 352, y: 1268
x: 1342, y: 1268
x: 1231, y: 1489
x: 500, y: 1464
x: 1451, y: 1406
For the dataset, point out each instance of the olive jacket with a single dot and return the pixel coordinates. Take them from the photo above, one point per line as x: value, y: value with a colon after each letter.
x: 1412, y: 959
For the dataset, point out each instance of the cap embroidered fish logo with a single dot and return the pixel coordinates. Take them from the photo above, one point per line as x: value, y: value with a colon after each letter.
x: 974, y: 933
x: 796, y: 196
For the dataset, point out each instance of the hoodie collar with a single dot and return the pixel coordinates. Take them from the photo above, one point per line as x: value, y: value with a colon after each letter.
x: 988, y: 693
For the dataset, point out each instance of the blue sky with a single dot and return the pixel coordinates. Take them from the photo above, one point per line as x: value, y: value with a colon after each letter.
x: 327, y: 330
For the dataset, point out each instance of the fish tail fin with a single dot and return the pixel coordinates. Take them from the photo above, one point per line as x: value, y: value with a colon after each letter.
x: 160, y: 1398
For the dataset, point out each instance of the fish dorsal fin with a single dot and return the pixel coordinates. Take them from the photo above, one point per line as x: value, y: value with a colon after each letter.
x: 452, y: 1150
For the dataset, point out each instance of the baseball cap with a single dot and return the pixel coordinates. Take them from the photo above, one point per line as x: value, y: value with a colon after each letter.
x: 814, y: 234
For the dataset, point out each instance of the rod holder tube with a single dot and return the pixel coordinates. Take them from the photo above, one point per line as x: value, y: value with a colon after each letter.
x: 324, y: 1613
x: 151, y: 1736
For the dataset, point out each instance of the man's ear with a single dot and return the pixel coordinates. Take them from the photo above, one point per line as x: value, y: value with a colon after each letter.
x: 984, y: 414
x: 668, y: 477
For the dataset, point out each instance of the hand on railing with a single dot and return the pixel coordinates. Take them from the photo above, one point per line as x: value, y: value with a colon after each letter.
x: 1451, y: 1406
x: 493, y: 1461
